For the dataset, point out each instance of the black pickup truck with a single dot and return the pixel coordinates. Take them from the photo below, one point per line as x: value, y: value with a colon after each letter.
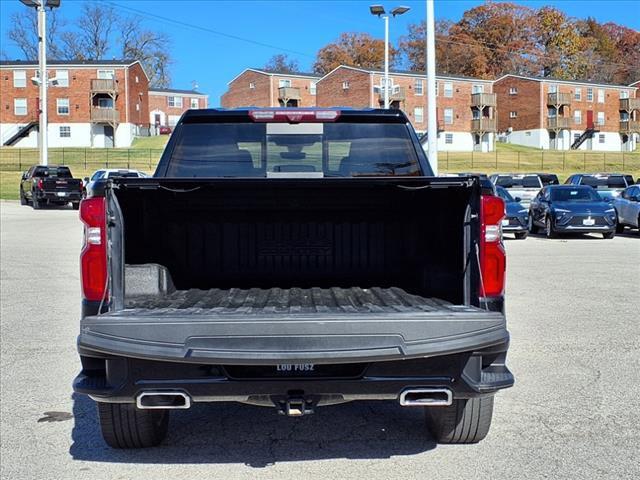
x: 50, y: 184
x: 292, y: 258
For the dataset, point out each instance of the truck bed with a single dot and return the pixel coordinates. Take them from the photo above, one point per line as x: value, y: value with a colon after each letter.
x: 271, y: 326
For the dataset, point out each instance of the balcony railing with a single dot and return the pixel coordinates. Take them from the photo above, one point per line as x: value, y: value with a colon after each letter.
x: 396, y: 94
x: 289, y: 93
x: 630, y: 126
x: 104, y: 85
x: 106, y: 115
x: 559, y: 98
x: 629, y: 104
x: 483, y: 124
x: 558, y: 122
x: 483, y: 100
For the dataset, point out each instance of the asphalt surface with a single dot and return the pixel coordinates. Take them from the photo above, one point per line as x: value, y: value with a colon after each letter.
x: 574, y: 314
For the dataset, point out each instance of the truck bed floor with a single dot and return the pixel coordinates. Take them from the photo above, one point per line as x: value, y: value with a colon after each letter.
x: 293, y: 301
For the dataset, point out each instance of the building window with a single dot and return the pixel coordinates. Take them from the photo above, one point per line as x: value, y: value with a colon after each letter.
x: 600, y: 118
x: 345, y: 85
x: 437, y: 89
x: 513, y: 90
x: 195, y: 103
x: 284, y: 83
x: 65, y: 131
x: 552, y: 112
x: 62, y: 76
x: 137, y: 107
x: 448, y: 116
x: 601, y: 138
x: 577, y: 95
x: 576, y: 136
x: 418, y: 114
x: 477, y: 89
x: 553, y: 88
x: 137, y: 79
x: 448, y: 138
x: 448, y: 89
x: 475, y: 114
x: 589, y: 94
x: 417, y: 86
x: 19, y: 78
x: 601, y: 95
x: 62, y: 106
x: 513, y: 114
x: 252, y: 85
x: 577, y: 117
x: 174, y: 102
x: 312, y: 88
x: 105, y: 102
x: 624, y: 94
x: 106, y: 74
x: 527, y: 134
x: 624, y: 116
x: 20, y: 106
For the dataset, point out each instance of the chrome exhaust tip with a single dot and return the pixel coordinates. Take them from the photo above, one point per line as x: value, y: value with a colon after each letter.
x: 163, y: 400
x: 426, y: 397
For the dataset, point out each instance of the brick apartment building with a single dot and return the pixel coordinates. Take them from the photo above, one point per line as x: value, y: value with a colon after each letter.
x: 465, y: 106
x: 167, y: 105
x: 561, y: 114
x: 92, y: 103
x: 255, y: 87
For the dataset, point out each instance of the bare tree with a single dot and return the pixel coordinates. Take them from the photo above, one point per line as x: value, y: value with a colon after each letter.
x: 95, y: 26
x: 282, y: 63
x: 24, y: 33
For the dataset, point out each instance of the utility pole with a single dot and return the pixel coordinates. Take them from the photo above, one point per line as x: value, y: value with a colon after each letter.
x: 42, y: 61
x: 432, y: 121
x: 386, y: 61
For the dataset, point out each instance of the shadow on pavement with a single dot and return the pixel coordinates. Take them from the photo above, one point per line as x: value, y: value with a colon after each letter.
x: 259, y: 437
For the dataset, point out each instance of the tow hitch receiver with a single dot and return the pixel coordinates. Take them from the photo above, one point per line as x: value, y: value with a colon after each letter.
x: 294, y: 406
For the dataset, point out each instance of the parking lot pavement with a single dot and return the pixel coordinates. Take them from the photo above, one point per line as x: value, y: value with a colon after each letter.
x: 574, y: 413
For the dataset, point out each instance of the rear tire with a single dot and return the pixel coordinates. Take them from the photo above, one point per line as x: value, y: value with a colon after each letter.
x: 465, y: 421
x: 608, y: 235
x: 76, y: 205
x: 35, y: 203
x: 521, y: 235
x: 549, y: 231
x: 123, y: 425
x: 23, y: 199
x: 532, y: 226
x: 619, y: 227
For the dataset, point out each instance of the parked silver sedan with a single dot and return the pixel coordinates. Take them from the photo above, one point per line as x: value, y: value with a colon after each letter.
x: 627, y: 207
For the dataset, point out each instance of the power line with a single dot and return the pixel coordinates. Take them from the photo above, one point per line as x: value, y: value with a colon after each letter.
x: 161, y: 18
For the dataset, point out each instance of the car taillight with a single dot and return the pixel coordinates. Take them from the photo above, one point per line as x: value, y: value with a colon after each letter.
x: 93, y: 259
x: 492, y: 255
x: 39, y: 184
x: 294, y: 116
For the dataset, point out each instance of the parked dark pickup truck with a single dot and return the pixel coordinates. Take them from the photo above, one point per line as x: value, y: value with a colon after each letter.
x: 293, y: 259
x: 50, y: 184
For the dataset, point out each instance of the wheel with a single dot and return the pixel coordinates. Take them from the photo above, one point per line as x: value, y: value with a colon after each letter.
x: 521, y: 235
x: 76, y: 205
x: 619, y: 226
x: 548, y: 230
x: 532, y: 226
x: 123, y: 425
x: 23, y: 199
x: 465, y: 421
x: 608, y: 235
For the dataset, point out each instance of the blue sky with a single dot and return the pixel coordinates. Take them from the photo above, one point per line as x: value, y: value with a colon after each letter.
x: 298, y: 28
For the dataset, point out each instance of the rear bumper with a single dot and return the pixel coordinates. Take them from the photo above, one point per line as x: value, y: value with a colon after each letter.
x: 584, y: 229
x: 54, y: 196
x: 117, y: 379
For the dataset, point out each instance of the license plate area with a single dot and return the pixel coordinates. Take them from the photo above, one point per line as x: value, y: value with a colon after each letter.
x: 62, y: 194
x: 588, y: 222
x: 304, y: 370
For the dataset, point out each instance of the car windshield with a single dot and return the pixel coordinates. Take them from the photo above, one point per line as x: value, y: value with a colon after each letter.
x: 549, y: 180
x: 505, y: 195
x: 59, y: 172
x: 613, y: 181
x: 529, y: 181
x: 575, y: 195
x: 313, y: 149
x: 123, y: 175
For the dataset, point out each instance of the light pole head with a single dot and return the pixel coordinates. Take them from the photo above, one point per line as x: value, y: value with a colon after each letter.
x: 52, y: 3
x: 399, y: 11
x: 31, y: 3
x: 377, y: 10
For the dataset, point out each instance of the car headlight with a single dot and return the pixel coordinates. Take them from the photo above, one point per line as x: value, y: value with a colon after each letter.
x: 524, y: 210
x: 610, y: 211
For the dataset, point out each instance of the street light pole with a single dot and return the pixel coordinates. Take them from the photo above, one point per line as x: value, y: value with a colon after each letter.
x: 379, y: 11
x: 42, y: 61
x: 432, y: 121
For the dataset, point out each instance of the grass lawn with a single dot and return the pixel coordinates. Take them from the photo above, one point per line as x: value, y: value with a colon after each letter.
x: 155, y: 142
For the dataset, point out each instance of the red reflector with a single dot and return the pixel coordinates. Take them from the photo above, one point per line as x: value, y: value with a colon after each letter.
x: 93, y: 259
x: 40, y: 184
x: 493, y: 259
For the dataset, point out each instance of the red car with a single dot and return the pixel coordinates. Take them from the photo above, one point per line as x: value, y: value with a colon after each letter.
x: 164, y: 130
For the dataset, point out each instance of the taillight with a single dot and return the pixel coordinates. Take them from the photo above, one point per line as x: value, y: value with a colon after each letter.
x: 39, y: 184
x: 492, y: 255
x: 93, y: 259
x: 294, y: 116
